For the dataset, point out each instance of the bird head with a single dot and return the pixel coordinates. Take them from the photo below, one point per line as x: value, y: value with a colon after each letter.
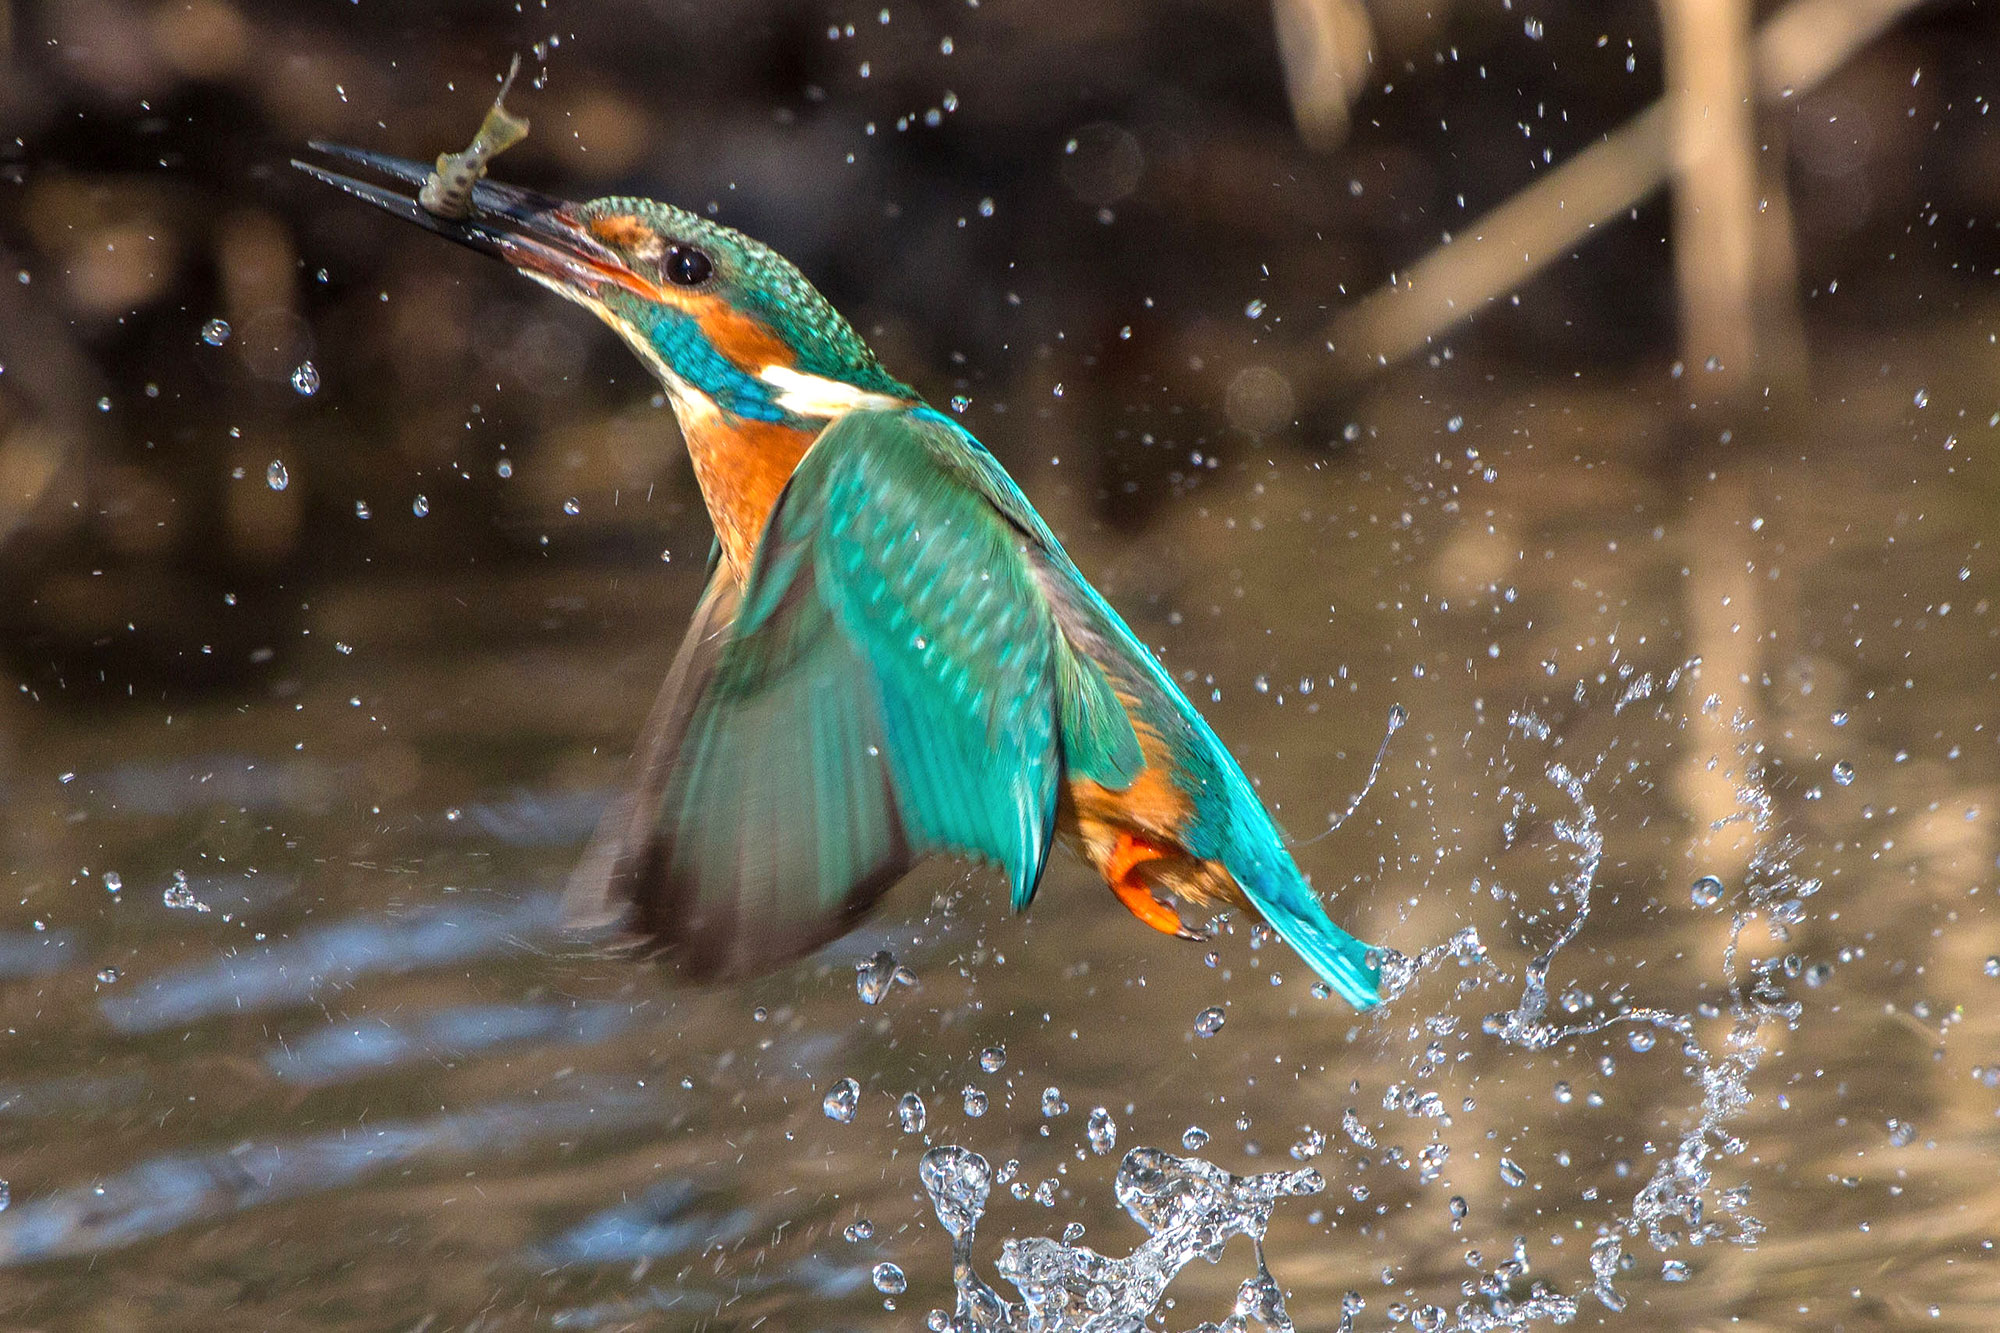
x: 727, y: 324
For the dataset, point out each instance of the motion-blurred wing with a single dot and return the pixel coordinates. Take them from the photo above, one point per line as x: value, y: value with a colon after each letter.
x: 892, y: 685
x: 603, y: 888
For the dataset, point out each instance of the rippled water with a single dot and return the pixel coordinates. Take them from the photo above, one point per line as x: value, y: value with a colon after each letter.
x: 294, y: 1038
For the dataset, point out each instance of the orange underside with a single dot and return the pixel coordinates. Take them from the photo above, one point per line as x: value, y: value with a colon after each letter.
x: 1132, y: 837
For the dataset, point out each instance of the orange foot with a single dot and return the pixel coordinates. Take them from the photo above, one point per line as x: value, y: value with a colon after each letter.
x: 1127, y: 855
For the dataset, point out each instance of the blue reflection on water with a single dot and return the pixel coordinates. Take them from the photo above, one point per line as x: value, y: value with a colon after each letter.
x: 36, y: 953
x: 322, y: 956
x: 538, y: 819
x: 165, y: 1193
x: 650, y: 1227
x: 331, y: 1054
x: 246, y: 782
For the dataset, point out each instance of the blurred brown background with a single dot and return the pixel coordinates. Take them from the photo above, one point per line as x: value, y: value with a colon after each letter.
x: 1168, y: 210
x: 1460, y: 356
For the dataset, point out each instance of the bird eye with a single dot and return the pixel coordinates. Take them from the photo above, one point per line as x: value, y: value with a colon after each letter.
x: 687, y: 266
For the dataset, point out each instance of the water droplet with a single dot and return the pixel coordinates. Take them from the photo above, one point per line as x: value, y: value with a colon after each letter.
x: 1922, y: 398
x: 910, y: 1113
x: 1641, y: 1039
x: 1209, y: 1021
x: 1397, y: 717
x: 1563, y: 1094
x: 975, y: 1101
x: 180, y: 896
x: 1533, y: 27
x: 421, y: 506
x: 1356, y: 1130
x: 1194, y: 1137
x: 880, y: 975
x: 305, y: 379
x: 841, y: 1103
x: 857, y: 1231
x: 1053, y: 1104
x: 1459, y: 1208
x: 571, y: 507
x: 504, y: 468
x: 1706, y: 891
x: 889, y: 1280
x: 1673, y: 1270
x: 107, y: 975
x: 959, y: 402
x: 362, y: 511
x: 215, y: 332
x: 275, y: 475
x: 1511, y: 1172
x: 113, y: 881
x: 1103, y: 1131
x: 957, y: 1179
x: 1843, y: 773
x: 993, y: 1059
x: 1839, y: 719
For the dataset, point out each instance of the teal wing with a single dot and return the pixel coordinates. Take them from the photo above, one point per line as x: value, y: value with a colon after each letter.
x: 1228, y: 823
x: 893, y: 684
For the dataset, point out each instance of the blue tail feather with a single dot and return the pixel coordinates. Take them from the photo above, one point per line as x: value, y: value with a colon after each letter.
x: 1291, y: 909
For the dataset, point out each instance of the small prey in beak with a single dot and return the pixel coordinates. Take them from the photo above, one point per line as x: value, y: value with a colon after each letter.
x: 447, y: 191
x: 542, y: 236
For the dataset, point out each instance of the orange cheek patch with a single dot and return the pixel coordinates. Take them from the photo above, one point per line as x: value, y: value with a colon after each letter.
x: 743, y: 338
x: 621, y: 229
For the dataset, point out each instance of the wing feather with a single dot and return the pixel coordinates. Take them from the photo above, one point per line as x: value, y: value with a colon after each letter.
x: 889, y: 682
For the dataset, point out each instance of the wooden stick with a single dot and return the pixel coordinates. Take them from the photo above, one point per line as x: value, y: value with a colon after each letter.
x: 1797, y: 49
x: 1714, y: 154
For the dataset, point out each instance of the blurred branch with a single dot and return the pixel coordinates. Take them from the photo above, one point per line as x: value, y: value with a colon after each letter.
x: 1324, y: 45
x: 44, y: 432
x: 1714, y: 154
x: 1797, y: 49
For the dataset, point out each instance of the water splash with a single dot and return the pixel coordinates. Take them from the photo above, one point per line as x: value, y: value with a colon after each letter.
x: 1189, y: 1209
x: 1680, y: 1203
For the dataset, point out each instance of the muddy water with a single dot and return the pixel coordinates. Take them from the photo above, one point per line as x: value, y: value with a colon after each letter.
x: 293, y: 1038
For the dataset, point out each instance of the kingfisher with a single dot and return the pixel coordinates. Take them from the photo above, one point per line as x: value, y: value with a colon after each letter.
x: 893, y: 657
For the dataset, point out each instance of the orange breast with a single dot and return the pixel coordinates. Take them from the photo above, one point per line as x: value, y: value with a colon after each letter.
x: 742, y: 467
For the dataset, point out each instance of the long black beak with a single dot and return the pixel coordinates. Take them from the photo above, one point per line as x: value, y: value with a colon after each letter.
x: 536, y: 233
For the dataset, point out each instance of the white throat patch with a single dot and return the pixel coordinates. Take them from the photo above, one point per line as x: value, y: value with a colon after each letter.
x: 812, y: 396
